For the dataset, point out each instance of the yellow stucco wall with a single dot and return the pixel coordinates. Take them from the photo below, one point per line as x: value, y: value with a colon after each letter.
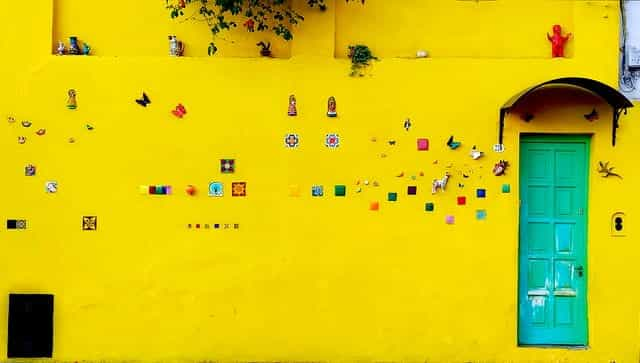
x: 303, y: 279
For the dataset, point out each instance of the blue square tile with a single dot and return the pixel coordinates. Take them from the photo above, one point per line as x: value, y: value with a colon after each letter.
x: 481, y: 193
x: 392, y: 197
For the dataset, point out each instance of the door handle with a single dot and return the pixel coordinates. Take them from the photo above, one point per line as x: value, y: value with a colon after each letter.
x: 579, y: 270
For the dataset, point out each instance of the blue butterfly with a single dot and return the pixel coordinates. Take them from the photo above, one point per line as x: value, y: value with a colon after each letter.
x: 144, y: 101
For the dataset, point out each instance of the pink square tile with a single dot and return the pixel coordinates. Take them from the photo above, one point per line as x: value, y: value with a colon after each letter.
x: 423, y: 144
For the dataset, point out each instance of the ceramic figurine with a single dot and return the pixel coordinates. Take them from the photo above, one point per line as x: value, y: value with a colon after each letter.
x: 331, y: 107
x: 179, y: 111
x: 500, y: 168
x: 26, y: 123
x: 176, y: 47
x: 407, y: 124
x: 293, y: 110
x: 30, y: 170
x: 453, y: 144
x: 265, y: 49
x: 607, y: 171
x: 86, y: 49
x: 475, y: 153
x: 61, y: 49
x: 41, y: 132
x: 558, y: 41
x: 422, y: 54
x: 440, y: 183
x: 74, y: 48
x: 22, y: 139
x: 71, y: 102
x: 592, y: 116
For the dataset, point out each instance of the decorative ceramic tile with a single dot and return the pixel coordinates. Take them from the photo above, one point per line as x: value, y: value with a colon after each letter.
x: 89, y: 223
x: 216, y: 189
x: 423, y: 144
x: 236, y: 226
x: 30, y: 170
x: 317, y: 191
x: 412, y: 190
x: 227, y: 166
x: 374, y: 206
x: 462, y: 200
x: 506, y: 188
x: 340, y: 190
x: 292, y: 140
x: 392, y: 197
x: 332, y: 140
x: 450, y: 220
x: 429, y: 207
x: 481, y: 193
x: 16, y: 224
x: 239, y: 189
x: 481, y: 214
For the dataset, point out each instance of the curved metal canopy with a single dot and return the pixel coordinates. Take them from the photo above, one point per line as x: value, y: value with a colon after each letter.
x: 613, y: 97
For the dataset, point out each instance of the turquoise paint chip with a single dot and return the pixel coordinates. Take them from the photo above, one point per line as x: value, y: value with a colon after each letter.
x: 506, y: 188
x: 340, y: 190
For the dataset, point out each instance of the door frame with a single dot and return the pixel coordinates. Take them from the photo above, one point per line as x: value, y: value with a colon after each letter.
x: 556, y: 138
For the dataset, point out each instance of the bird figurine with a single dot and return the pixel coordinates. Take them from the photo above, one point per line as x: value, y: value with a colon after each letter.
x: 607, y: 171
x: 475, y: 153
x: 453, y: 144
x: 592, y: 116
x: 526, y: 117
x: 407, y: 124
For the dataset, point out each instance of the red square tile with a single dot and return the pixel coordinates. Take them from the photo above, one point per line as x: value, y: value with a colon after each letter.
x: 462, y: 200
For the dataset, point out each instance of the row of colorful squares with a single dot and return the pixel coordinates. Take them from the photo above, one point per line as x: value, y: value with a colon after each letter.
x: 239, y: 189
x: 89, y: 223
x: 333, y: 141
x: 213, y: 226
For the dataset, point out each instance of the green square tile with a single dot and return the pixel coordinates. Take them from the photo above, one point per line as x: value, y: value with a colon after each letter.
x: 392, y: 197
x: 429, y: 207
x: 340, y: 190
x: 506, y: 188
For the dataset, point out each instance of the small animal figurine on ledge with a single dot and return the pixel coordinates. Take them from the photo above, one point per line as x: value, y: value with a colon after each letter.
x: 440, y: 183
x: 500, y: 168
x: 558, y: 41
x: 72, y: 104
x: 176, y: 47
x: 607, y: 171
x: 592, y: 116
x: 86, y: 49
x: 61, y: 49
x: 265, y: 49
x: 293, y: 110
x: 475, y: 153
x: 74, y: 48
x: 331, y: 107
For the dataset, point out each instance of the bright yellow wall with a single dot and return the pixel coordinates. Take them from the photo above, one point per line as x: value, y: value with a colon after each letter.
x: 303, y: 279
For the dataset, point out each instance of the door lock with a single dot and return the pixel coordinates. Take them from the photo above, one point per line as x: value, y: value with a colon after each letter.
x: 579, y: 270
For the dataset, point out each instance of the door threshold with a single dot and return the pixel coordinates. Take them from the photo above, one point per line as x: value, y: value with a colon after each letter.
x: 554, y: 346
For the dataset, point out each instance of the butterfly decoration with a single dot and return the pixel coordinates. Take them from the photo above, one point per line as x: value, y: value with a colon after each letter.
x: 400, y: 175
x: 179, y: 111
x: 500, y: 168
x: 526, y: 117
x: 407, y: 124
x: 453, y: 144
x: 475, y: 153
x: 392, y: 142
x: 41, y: 132
x: 607, y: 171
x: 71, y: 140
x: 89, y: 127
x: 144, y: 101
x: 26, y: 123
x: 592, y: 116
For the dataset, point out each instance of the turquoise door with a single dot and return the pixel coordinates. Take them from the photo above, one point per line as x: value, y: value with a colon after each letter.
x: 553, y: 251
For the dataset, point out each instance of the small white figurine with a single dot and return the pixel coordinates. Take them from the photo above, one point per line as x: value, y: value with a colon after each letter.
x: 475, y: 153
x: 440, y: 183
x: 61, y: 48
x: 176, y: 47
